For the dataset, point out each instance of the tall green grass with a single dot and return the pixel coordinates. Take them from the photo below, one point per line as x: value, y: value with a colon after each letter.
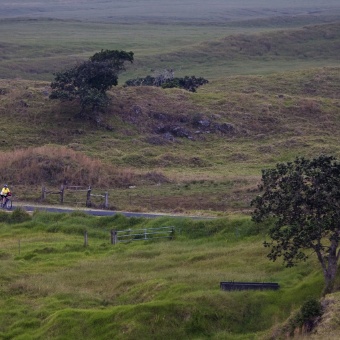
x: 52, y: 286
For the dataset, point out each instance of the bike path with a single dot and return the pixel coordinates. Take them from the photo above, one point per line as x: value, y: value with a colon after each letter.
x: 97, y: 212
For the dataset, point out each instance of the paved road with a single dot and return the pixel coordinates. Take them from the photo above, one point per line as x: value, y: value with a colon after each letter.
x: 97, y: 212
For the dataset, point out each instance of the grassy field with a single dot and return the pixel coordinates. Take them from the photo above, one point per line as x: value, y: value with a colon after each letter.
x: 43, y: 37
x: 52, y: 286
x: 273, y: 94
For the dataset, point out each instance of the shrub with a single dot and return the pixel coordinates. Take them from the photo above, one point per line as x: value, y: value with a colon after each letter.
x: 186, y: 83
x: 4, y: 216
x: 307, y: 316
x: 19, y: 215
x: 311, y: 310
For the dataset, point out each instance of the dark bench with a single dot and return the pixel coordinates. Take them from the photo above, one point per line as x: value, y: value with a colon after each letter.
x: 232, y: 285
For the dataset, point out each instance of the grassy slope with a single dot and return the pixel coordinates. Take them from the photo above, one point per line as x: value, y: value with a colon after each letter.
x: 53, y: 287
x: 275, y: 118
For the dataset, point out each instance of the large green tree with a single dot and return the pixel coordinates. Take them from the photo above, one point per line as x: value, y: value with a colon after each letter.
x: 89, y: 81
x: 302, y: 198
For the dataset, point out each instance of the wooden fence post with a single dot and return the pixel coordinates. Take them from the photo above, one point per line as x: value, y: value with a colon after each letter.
x: 172, y: 233
x: 113, y: 237
x: 85, y: 239
x: 43, y: 193
x: 62, y: 194
x: 106, y: 202
x: 88, y: 197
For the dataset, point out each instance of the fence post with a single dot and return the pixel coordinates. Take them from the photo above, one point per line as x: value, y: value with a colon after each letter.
x: 85, y: 239
x: 88, y: 197
x: 62, y: 194
x: 43, y: 193
x: 172, y: 233
x: 106, y: 202
x: 237, y: 232
x: 113, y: 237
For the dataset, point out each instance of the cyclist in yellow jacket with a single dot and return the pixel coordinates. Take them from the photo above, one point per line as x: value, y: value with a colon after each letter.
x: 4, y: 193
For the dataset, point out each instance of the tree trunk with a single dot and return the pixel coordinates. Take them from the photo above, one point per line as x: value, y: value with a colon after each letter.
x: 332, y: 267
x: 329, y: 281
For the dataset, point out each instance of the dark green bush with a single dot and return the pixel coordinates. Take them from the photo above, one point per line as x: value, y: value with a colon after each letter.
x: 4, y: 216
x: 20, y: 215
x: 186, y: 83
x: 311, y: 309
x: 306, y: 317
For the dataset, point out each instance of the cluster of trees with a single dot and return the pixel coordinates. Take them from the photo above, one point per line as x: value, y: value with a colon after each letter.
x: 89, y: 81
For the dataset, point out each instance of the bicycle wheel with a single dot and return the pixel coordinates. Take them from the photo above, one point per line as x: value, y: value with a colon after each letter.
x: 8, y: 204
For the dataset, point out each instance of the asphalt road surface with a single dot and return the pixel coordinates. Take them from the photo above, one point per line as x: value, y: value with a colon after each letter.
x: 98, y: 212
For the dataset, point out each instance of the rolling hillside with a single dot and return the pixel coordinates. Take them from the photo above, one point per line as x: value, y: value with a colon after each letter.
x: 185, y: 151
x: 262, y: 42
x: 273, y: 94
x: 214, y: 142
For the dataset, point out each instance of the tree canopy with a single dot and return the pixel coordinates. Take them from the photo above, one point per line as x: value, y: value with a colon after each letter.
x: 90, y: 80
x: 303, y: 200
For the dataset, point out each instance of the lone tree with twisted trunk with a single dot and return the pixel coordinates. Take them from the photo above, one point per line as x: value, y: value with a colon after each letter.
x: 303, y: 199
x: 89, y: 81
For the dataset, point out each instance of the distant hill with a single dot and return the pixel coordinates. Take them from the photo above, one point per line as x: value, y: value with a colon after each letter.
x: 262, y: 52
x: 179, y: 10
x: 309, y: 46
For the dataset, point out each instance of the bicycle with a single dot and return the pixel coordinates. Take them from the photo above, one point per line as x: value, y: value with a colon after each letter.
x: 8, y: 204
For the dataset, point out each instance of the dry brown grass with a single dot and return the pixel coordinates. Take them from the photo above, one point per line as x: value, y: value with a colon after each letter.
x: 55, y: 165
x: 328, y: 327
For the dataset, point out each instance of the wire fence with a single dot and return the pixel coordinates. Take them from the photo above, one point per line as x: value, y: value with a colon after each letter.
x: 52, y: 243
x: 142, y: 234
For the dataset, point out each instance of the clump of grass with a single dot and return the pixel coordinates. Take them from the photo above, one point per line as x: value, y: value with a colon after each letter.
x: 20, y: 215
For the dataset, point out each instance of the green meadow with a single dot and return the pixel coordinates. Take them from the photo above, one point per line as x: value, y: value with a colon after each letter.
x: 53, y: 286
